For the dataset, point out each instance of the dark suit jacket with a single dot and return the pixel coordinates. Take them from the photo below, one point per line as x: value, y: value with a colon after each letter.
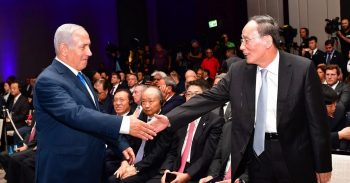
x: 301, y: 114
x: 173, y: 102
x: 19, y: 110
x: 154, y: 154
x: 203, y: 146
x: 343, y: 92
x: 317, y: 58
x: 338, y: 59
x: 72, y: 133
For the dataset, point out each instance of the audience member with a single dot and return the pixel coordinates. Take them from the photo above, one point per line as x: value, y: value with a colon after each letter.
x: 180, y: 84
x: 194, y: 56
x: 321, y: 71
x: 231, y: 58
x: 342, y: 89
x: 211, y: 63
x: 171, y: 99
x: 132, y: 82
x: 149, y: 154
x: 161, y: 59
x: 312, y: 52
x: 206, y: 74
x: 304, y: 36
x: 332, y: 56
x: 156, y: 76
x: 193, y: 146
x: 344, y: 36
x: 105, y: 100
x: 116, y: 83
x: 137, y: 98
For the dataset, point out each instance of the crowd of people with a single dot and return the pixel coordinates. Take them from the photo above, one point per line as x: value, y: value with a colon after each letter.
x: 147, y: 84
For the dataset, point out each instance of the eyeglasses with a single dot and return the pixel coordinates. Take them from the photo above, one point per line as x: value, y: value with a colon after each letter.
x: 246, y: 41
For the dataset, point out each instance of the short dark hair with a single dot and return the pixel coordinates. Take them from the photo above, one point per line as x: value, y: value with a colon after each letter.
x: 18, y: 83
x: 203, y: 84
x: 330, y: 96
x: 268, y: 26
x: 131, y: 99
x: 306, y: 30
x: 312, y: 38
x: 329, y: 41
x: 115, y: 73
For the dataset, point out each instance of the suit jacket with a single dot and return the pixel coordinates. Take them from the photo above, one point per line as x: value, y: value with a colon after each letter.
x: 203, y: 146
x: 173, y: 102
x: 343, y: 92
x: 71, y: 132
x: 154, y: 154
x: 301, y: 115
x: 19, y: 110
x: 317, y: 58
x: 338, y: 59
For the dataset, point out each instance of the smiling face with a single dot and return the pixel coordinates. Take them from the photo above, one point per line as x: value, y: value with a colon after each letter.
x: 77, y: 52
x: 252, y: 44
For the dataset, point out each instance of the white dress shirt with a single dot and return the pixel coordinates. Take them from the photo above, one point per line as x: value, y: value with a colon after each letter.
x: 272, y: 91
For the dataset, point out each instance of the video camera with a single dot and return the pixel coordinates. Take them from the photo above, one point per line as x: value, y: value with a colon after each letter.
x: 332, y: 25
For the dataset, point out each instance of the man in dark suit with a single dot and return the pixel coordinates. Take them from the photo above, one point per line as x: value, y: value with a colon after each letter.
x: 342, y: 89
x: 193, y: 146
x: 220, y: 166
x: 151, y: 154
x: 18, y: 106
x: 72, y: 133
x: 312, y: 52
x: 105, y: 100
x: 172, y: 100
x: 283, y: 132
x: 332, y: 56
x: 116, y: 83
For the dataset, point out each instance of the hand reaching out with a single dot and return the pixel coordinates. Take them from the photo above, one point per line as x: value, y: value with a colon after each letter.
x: 159, y: 123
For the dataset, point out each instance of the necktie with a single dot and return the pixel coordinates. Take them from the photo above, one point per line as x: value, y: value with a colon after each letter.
x: 81, y: 78
x: 112, y: 90
x: 228, y: 174
x: 328, y: 58
x: 32, y: 134
x: 259, y: 133
x: 141, y: 150
x: 187, y: 147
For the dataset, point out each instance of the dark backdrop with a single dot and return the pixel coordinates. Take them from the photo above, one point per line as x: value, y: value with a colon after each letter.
x: 27, y: 27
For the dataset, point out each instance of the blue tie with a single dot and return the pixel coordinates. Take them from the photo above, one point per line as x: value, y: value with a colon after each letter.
x: 81, y: 78
x: 259, y: 133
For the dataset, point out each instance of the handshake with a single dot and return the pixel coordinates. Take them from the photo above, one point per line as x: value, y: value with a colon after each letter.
x: 146, y: 131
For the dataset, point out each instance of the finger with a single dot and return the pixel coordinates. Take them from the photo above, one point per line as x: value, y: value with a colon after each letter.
x: 126, y: 154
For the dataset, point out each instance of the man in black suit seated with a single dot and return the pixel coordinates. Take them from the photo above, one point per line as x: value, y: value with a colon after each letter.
x: 116, y: 83
x: 105, y: 100
x: 220, y: 166
x: 342, y: 89
x: 20, y: 166
x: 149, y: 154
x: 18, y: 106
x: 122, y: 107
x: 193, y: 146
x: 172, y: 100
x: 312, y: 52
x: 336, y: 117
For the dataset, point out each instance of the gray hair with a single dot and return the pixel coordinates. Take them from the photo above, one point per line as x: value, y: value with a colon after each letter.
x: 64, y: 34
x: 161, y: 73
x: 267, y: 26
x: 170, y: 82
x: 158, y: 92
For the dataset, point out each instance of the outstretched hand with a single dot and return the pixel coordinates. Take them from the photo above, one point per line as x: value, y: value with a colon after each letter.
x: 141, y: 129
x: 159, y: 123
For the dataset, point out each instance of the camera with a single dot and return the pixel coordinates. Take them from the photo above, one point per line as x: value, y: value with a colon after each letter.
x: 332, y: 25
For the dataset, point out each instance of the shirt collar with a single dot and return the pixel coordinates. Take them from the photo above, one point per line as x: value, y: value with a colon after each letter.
x: 273, y: 66
x: 69, y: 67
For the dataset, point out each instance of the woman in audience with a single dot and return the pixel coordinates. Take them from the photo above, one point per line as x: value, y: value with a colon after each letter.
x: 321, y: 71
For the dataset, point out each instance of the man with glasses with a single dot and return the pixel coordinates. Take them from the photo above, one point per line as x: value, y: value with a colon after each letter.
x: 279, y: 128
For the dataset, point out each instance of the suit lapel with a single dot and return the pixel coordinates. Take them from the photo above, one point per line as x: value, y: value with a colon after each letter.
x: 284, y: 78
x: 69, y: 75
x: 198, y: 133
x: 249, y: 85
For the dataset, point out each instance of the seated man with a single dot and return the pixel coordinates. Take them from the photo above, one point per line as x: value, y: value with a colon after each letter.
x: 167, y: 85
x: 336, y: 119
x: 149, y: 154
x: 220, y: 166
x: 105, y: 100
x: 122, y: 107
x: 193, y: 147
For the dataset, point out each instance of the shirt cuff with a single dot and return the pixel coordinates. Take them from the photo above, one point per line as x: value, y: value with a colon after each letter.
x: 125, y: 126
